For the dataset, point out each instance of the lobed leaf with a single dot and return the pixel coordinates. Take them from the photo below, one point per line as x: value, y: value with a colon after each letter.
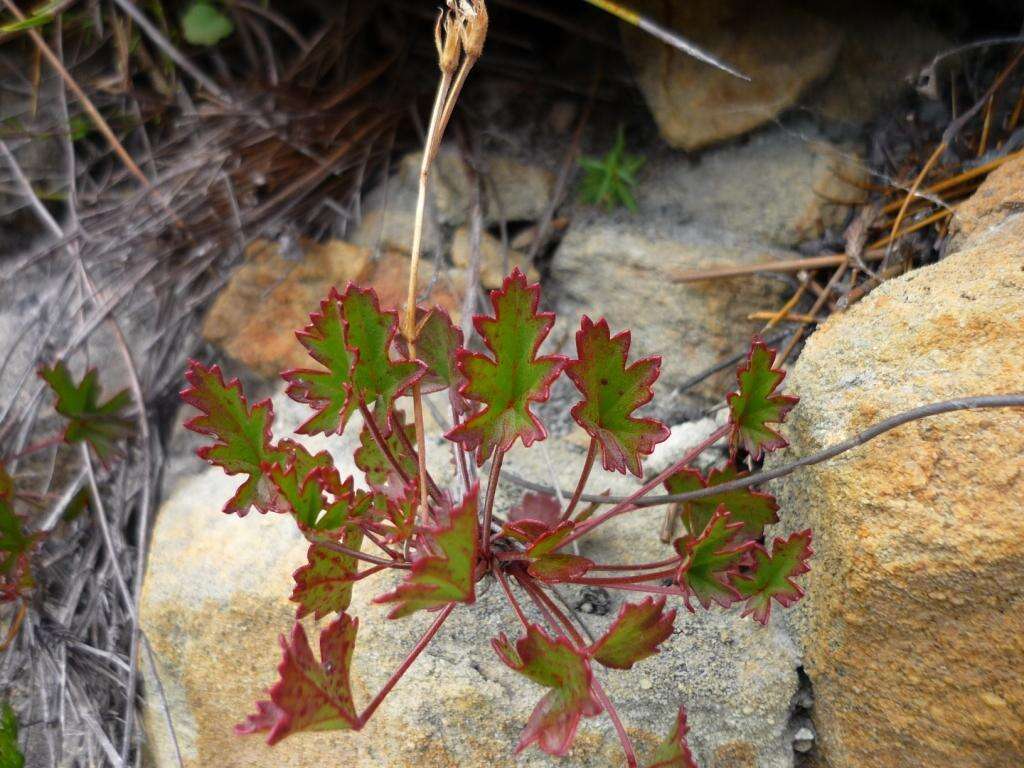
x: 328, y: 391
x: 437, y: 344
x: 324, y: 585
x: 98, y: 425
x: 370, y: 334
x: 242, y: 435
x: 711, y: 560
x: 347, y: 508
x: 752, y: 508
x: 674, y: 752
x: 755, y: 405
x: 772, y: 575
x: 375, y: 465
x: 297, y: 485
x: 554, y: 664
x: 310, y: 696
x: 447, y: 576
x: 635, y: 634
x: 612, y: 391
x: 15, y: 545
x: 507, y: 383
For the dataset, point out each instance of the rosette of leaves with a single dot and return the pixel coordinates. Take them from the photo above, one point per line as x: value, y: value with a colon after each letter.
x: 359, y: 526
x: 609, y: 181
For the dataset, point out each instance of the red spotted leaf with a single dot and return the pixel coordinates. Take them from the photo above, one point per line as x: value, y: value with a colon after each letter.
x: 513, y: 377
x: 324, y: 584
x: 446, y: 573
x: 559, y: 567
x: 310, y: 695
x: 557, y: 665
x: 376, y: 378
x: 636, y: 634
x: 99, y: 425
x: 348, y: 507
x: 674, y: 752
x: 755, y: 510
x: 544, y: 562
x: 437, y: 344
x: 298, y: 483
x: 242, y: 435
x: 327, y: 390
x: 771, y: 577
x: 400, y: 511
x: 756, y: 405
x: 612, y: 391
x: 711, y: 560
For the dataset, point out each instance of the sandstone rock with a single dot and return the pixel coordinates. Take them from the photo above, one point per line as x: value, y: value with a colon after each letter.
x: 215, y: 600
x: 912, y: 627
x: 782, y: 187
x: 623, y: 270
x: 1001, y: 194
x: 517, y: 191
x: 269, y: 298
x: 492, y: 266
x: 389, y: 213
x: 781, y: 46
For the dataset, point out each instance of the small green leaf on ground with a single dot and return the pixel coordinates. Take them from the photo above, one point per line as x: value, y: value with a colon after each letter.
x: 772, y: 575
x: 674, y: 752
x: 205, y: 24
x: 507, y: 383
x: 612, y: 391
x: 636, y: 634
x: 554, y: 664
x: 242, y: 435
x: 99, y: 425
x: 310, y: 695
x: 609, y: 181
x: 448, y: 576
x: 10, y: 753
x: 756, y: 405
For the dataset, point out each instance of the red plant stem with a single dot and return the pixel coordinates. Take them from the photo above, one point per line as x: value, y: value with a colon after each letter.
x: 404, y: 438
x: 365, y: 557
x: 613, y: 715
x: 42, y: 445
x: 650, y: 589
x: 584, y: 476
x: 383, y: 547
x: 636, y: 579
x: 369, y: 572
x: 492, y: 487
x: 500, y: 574
x: 378, y: 438
x: 643, y: 490
x: 549, y: 608
x: 404, y: 666
x: 638, y: 566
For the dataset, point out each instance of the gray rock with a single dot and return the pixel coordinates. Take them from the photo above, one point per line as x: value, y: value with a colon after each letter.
x: 215, y: 600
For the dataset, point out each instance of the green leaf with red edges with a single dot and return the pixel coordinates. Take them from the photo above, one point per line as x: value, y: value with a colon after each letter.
x: 557, y: 665
x: 370, y: 335
x: 99, y: 425
x: 756, y: 405
x: 401, y: 513
x: 327, y: 390
x: 375, y: 465
x: 15, y: 545
x: 674, y: 752
x: 752, y: 508
x: 612, y: 391
x: 507, y: 383
x: 324, y: 584
x: 347, y: 507
x: 437, y: 344
x: 772, y: 575
x: 710, y: 561
x: 310, y: 695
x: 550, y: 566
x: 242, y: 435
x: 298, y: 484
x: 636, y: 634
x: 446, y: 573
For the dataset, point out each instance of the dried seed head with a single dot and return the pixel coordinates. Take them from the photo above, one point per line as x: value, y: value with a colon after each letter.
x: 447, y: 38
x: 475, y: 28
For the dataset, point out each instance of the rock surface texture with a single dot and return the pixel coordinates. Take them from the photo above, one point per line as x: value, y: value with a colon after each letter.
x: 215, y: 601
x: 913, y: 625
x: 781, y: 46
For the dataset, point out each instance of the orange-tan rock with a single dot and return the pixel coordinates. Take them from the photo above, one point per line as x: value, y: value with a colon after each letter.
x: 913, y: 626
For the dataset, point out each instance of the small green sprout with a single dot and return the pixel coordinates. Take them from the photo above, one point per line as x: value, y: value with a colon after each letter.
x: 609, y: 180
